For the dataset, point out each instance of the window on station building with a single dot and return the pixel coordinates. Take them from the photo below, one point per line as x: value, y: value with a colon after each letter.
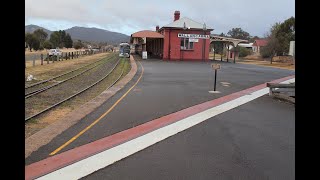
x: 185, y: 44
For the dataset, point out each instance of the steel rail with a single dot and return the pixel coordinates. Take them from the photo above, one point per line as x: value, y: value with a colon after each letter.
x: 40, y: 82
x: 37, y: 114
x: 30, y: 94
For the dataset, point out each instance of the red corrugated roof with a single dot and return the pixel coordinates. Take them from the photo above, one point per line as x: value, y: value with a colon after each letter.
x: 260, y: 42
x: 148, y: 34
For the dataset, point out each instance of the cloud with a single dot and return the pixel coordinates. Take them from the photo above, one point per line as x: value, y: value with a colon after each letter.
x: 127, y: 16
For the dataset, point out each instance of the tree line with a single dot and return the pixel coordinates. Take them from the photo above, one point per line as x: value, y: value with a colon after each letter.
x: 38, y: 40
x: 279, y: 37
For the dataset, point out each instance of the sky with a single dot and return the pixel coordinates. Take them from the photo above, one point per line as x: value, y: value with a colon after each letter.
x: 127, y: 16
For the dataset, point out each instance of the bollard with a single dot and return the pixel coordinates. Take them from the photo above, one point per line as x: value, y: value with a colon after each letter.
x: 48, y: 58
x: 71, y: 55
x: 66, y: 55
x: 41, y: 56
x: 34, y: 62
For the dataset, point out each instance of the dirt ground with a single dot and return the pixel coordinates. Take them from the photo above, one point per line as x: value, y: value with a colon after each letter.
x: 282, y: 62
x: 280, y: 65
x: 44, y: 71
x: 278, y: 62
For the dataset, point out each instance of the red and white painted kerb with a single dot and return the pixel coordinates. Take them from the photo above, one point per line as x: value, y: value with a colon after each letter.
x: 86, y: 159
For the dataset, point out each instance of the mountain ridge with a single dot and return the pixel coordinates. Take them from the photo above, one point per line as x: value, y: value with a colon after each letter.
x: 90, y: 34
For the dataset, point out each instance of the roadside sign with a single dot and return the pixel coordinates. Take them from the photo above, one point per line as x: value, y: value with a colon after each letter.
x: 215, y: 66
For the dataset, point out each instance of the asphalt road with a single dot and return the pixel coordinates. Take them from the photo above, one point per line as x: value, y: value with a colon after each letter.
x: 167, y: 87
x: 253, y: 141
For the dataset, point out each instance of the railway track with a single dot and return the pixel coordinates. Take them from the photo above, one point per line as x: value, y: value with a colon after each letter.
x: 56, y: 95
x: 54, y: 81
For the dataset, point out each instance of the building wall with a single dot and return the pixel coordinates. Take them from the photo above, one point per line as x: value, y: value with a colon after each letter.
x: 172, y: 42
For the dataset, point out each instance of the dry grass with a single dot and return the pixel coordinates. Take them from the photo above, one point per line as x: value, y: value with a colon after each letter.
x: 282, y: 62
x: 281, y: 65
x: 45, y: 51
x: 48, y: 70
x: 51, y: 117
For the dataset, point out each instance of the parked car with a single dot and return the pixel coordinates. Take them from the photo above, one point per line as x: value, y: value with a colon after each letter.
x: 55, y: 52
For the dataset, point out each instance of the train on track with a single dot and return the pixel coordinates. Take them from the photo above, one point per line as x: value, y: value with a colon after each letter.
x: 124, y: 50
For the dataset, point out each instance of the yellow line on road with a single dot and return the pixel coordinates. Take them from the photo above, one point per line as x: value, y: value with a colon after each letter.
x: 97, y: 120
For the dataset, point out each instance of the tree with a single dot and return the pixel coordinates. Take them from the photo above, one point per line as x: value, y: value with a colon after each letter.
x: 47, y: 44
x: 279, y: 38
x: 271, y: 49
x: 62, y: 35
x: 32, y: 41
x: 78, y: 45
x: 55, y: 39
x: 36, y: 43
x: 41, y: 35
x: 285, y: 33
x: 238, y: 33
x: 60, y: 38
x: 223, y: 35
x: 218, y: 46
x: 28, y: 40
x: 68, y: 41
x: 252, y: 39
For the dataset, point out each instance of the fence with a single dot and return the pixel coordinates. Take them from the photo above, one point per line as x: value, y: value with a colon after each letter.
x: 45, y: 58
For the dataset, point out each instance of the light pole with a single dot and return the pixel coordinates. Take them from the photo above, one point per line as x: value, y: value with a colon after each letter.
x: 204, y: 41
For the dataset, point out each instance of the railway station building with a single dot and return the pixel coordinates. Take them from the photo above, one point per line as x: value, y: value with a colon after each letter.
x: 183, y: 39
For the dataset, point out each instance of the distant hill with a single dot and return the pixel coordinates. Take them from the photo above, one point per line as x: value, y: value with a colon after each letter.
x: 88, y: 34
x: 31, y: 28
x: 97, y: 35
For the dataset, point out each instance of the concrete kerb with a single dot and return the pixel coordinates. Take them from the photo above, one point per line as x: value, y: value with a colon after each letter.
x: 44, y: 136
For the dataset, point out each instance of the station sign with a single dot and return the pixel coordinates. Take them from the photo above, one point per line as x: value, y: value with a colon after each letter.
x: 215, y: 66
x: 193, y: 40
x: 195, y: 36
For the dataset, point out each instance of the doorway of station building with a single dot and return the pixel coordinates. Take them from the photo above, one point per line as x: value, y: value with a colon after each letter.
x: 154, y: 48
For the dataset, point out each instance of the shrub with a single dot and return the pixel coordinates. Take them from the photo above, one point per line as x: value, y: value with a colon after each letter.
x: 266, y: 52
x: 244, y: 52
x: 47, y: 44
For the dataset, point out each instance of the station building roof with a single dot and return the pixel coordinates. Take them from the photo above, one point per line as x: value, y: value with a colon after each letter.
x: 147, y: 34
x: 260, y: 42
x: 190, y: 24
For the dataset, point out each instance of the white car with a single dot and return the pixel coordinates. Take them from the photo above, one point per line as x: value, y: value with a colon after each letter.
x: 55, y: 52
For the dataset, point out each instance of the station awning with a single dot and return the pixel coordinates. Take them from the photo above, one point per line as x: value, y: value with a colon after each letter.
x: 147, y: 34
